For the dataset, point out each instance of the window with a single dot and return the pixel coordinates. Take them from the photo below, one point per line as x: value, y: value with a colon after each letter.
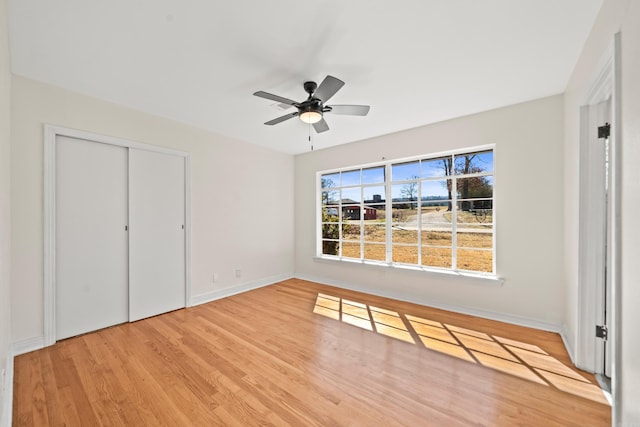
x: 434, y: 212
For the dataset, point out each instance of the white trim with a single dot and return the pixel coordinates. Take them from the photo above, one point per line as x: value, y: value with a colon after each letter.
x: 49, y: 302
x: 606, y: 83
x: 50, y: 134
x: 6, y: 411
x: 588, y: 355
x: 485, y: 314
x: 187, y: 225
x: 568, y: 345
x: 28, y: 345
x: 481, y: 279
x: 615, y: 244
x: 105, y: 139
x: 425, y: 156
x: 238, y: 289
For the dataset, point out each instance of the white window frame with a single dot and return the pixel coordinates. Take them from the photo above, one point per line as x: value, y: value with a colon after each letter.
x: 388, y: 207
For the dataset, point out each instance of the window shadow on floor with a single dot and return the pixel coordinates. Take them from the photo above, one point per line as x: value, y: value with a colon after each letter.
x: 517, y: 358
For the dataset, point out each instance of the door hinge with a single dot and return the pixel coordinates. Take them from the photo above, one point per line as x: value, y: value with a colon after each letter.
x: 604, y: 131
x: 602, y: 332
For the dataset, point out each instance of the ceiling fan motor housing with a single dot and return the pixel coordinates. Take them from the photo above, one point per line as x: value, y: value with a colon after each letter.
x: 310, y: 87
x: 313, y: 104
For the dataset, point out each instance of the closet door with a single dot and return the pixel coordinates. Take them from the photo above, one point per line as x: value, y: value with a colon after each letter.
x: 157, y: 235
x: 91, y: 240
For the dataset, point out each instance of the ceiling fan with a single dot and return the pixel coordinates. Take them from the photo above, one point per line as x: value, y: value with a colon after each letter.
x: 313, y: 108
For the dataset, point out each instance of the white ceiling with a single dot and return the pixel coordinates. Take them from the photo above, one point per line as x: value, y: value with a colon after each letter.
x: 199, y: 61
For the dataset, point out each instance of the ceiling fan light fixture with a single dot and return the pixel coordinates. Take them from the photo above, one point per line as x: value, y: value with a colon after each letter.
x: 311, y: 116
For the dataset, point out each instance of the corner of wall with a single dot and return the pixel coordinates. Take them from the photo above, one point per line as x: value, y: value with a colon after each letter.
x: 568, y: 343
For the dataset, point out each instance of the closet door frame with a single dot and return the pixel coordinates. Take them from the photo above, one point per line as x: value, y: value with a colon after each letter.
x: 51, y: 133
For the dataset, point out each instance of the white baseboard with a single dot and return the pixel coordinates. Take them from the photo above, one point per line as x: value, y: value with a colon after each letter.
x: 564, y: 334
x: 7, y: 395
x: 25, y: 346
x: 485, y: 314
x: 234, y: 290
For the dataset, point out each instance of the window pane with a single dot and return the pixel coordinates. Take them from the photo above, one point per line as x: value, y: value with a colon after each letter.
x: 436, y: 257
x: 375, y: 213
x: 435, y: 190
x: 477, y: 187
x: 330, y: 231
x: 351, y: 250
x: 437, y: 167
x: 437, y: 238
x: 375, y: 233
x: 330, y: 214
x: 471, y: 217
x: 405, y: 193
x: 374, y: 194
x: 405, y: 254
x: 330, y: 197
x: 402, y: 171
x: 404, y: 214
x: 376, y: 252
x: 481, y: 161
x: 475, y: 260
x: 475, y: 239
x: 351, y: 178
x: 400, y: 235
x: 351, y: 195
x: 436, y: 218
x: 351, y: 231
x: 373, y: 175
x: 351, y: 212
x: 330, y: 180
x: 330, y: 247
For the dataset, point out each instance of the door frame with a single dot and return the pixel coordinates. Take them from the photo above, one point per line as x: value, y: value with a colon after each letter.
x: 589, y: 349
x: 51, y: 133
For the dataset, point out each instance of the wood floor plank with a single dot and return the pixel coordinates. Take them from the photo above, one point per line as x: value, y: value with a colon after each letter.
x: 298, y: 353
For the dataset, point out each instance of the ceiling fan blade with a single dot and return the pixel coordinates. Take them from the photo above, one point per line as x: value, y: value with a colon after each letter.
x: 351, y: 110
x: 321, y: 126
x: 281, y: 119
x: 273, y: 97
x: 329, y: 86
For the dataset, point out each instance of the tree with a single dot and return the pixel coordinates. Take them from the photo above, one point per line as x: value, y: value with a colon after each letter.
x: 409, y: 191
x: 326, y: 194
x: 330, y: 223
x: 447, y: 164
x: 476, y: 187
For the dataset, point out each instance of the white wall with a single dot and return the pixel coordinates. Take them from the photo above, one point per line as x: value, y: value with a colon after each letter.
x: 615, y: 16
x: 242, y: 196
x: 529, y: 194
x: 5, y: 192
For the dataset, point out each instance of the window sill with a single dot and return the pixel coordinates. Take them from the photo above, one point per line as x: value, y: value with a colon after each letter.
x: 480, y: 278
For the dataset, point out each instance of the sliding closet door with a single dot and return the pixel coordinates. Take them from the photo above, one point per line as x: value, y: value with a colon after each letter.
x: 157, y: 235
x: 91, y: 240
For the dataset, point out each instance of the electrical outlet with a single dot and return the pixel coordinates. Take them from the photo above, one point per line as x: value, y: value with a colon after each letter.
x: 238, y: 273
x: 3, y: 379
x: 216, y: 277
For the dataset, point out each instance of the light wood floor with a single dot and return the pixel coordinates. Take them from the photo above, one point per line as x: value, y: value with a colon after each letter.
x: 299, y: 353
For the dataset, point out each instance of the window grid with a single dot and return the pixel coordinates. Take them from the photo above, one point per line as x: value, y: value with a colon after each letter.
x: 452, y: 175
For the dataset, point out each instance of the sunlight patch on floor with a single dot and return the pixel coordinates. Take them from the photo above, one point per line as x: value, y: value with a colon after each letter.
x: 520, y: 359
